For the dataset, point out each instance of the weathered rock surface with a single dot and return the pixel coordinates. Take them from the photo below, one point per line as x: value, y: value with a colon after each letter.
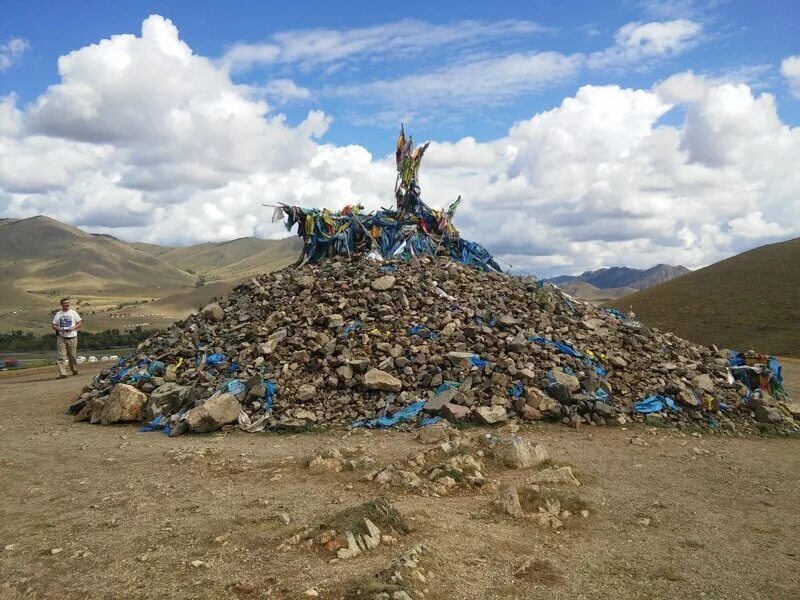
x: 213, y: 414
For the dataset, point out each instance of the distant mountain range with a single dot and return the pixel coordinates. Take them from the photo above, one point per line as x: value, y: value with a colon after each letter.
x: 623, y: 277
x: 42, y: 259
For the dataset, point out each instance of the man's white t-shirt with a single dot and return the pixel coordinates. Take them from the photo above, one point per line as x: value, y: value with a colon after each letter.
x: 65, y: 319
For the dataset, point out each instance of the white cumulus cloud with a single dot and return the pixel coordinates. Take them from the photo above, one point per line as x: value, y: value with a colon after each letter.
x: 790, y: 69
x: 11, y: 51
x: 147, y: 140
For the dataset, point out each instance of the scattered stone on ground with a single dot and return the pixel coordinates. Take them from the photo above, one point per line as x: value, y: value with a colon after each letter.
x: 354, y: 530
x: 400, y: 580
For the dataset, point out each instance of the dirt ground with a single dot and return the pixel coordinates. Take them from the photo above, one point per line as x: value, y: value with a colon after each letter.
x: 107, y: 512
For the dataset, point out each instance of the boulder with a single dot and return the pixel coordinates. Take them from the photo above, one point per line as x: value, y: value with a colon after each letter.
x: 213, y: 313
x: 381, y: 284
x: 603, y: 409
x: 769, y: 414
x: 571, y: 382
x: 213, y: 413
x: 455, y: 413
x: 305, y: 393
x: 375, y: 379
x: 124, y: 403
x: 703, y: 382
x: 166, y: 399
x: 491, y: 414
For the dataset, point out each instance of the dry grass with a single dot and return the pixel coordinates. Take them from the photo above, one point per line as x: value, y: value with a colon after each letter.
x: 748, y: 301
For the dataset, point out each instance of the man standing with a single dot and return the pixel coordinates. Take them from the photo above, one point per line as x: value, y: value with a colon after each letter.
x: 66, y: 324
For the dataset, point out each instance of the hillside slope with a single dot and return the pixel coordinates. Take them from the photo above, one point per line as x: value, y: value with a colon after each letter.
x: 40, y: 253
x: 751, y: 300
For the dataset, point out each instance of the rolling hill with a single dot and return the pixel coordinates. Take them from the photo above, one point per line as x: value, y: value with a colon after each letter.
x: 42, y: 259
x: 751, y: 300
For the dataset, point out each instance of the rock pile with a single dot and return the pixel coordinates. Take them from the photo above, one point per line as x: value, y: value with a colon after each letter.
x: 354, y: 339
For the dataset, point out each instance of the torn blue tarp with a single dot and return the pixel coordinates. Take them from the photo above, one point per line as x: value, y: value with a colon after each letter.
x: 516, y: 390
x: 424, y: 332
x: 269, y: 395
x: 354, y: 326
x: 213, y: 360
x: 655, y: 404
x: 409, y: 413
x: 600, y: 394
x: 570, y: 351
x: 446, y: 385
x: 160, y: 423
x: 235, y: 387
x: 615, y: 313
x: 477, y: 361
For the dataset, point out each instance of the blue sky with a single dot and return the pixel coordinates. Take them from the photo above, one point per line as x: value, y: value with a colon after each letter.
x: 745, y: 39
x: 580, y: 134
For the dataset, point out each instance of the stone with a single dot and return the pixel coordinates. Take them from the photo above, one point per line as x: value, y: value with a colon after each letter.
x: 345, y: 372
x: 166, y: 399
x: 124, y: 403
x: 433, y: 434
x: 555, y: 476
x: 508, y: 502
x: 560, y: 393
x: 769, y: 414
x: 571, y: 382
x: 455, y: 413
x: 213, y: 413
x: 306, y: 392
x: 268, y: 347
x: 434, y: 405
x: 491, y: 414
x: 533, y: 396
x: 460, y: 359
x: 381, y: 284
x: 703, y: 382
x: 617, y: 361
x: 213, y: 313
x: 603, y: 409
x: 375, y: 379
x: 515, y: 453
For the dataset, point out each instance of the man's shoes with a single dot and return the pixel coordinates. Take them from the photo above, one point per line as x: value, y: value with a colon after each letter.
x: 75, y: 373
x: 62, y: 376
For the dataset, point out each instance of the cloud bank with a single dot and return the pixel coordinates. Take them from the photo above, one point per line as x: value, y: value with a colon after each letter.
x: 144, y: 139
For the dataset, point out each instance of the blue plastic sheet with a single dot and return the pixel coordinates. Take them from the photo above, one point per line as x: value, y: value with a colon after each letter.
x: 600, y: 394
x: 446, y: 385
x: 160, y: 423
x: 213, y: 360
x: 516, y: 390
x: 423, y: 332
x: 614, y: 312
x: 408, y: 413
x: 655, y: 404
x: 269, y: 395
x: 354, y: 326
x: 570, y: 351
x: 235, y: 387
x: 477, y: 361
x: 156, y: 368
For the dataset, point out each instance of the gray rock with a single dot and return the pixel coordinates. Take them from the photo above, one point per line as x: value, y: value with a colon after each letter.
x: 124, y: 403
x: 491, y: 414
x: 375, y: 379
x: 455, y: 413
x: 213, y: 312
x: 213, y: 413
x: 571, y: 382
x: 381, y: 284
x: 305, y: 393
x: 603, y: 409
x: 560, y: 392
x: 769, y: 414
